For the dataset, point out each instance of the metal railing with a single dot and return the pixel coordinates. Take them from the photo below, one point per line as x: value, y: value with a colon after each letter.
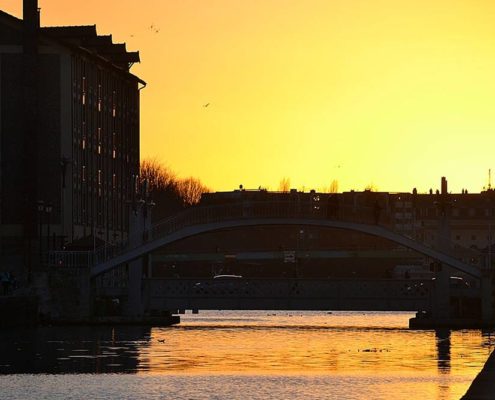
x: 201, y: 215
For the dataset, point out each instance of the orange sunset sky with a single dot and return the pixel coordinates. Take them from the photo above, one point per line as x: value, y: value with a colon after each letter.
x: 383, y: 92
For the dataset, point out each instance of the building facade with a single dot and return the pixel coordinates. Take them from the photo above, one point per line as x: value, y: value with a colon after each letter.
x: 69, y: 128
x: 460, y: 224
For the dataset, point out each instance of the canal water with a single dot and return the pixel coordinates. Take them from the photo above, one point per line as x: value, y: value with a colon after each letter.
x: 244, y: 355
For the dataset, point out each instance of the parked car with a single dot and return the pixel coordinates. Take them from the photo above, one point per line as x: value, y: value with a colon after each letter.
x: 223, y: 281
x: 457, y: 282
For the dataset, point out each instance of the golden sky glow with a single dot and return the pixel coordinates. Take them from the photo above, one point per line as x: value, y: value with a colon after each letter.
x: 393, y: 93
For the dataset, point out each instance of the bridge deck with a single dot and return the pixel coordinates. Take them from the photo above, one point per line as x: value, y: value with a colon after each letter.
x: 289, y: 294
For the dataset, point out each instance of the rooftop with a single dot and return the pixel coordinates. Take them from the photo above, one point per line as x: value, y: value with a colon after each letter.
x: 85, y: 39
x: 85, y: 36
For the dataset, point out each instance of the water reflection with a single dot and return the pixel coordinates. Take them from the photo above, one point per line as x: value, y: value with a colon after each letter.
x: 268, y: 343
x: 442, y: 337
x: 72, y: 349
x: 314, y: 343
x: 488, y: 338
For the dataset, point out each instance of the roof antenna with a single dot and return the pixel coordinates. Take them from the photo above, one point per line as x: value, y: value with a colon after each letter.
x: 489, y: 179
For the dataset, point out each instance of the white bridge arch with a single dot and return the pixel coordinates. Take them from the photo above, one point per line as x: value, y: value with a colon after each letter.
x: 200, y: 220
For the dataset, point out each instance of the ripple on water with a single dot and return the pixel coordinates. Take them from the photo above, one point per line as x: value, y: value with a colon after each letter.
x: 257, y: 387
x: 257, y: 355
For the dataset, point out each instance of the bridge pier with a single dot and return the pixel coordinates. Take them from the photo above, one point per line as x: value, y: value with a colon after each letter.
x: 487, y: 297
x: 441, y: 295
x: 85, y: 309
x: 447, y: 309
x: 134, y: 307
x: 139, y: 226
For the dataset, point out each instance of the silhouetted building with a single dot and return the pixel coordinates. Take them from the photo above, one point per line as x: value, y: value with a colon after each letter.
x: 69, y: 128
x: 469, y: 234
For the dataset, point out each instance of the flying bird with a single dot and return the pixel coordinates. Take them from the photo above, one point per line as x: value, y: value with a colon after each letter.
x: 206, y: 105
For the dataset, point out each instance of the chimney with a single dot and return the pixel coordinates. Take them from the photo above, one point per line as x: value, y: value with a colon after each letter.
x: 31, y: 15
x: 444, y: 185
x: 31, y: 18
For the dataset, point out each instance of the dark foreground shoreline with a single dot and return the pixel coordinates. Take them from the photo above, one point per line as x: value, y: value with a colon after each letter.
x: 21, y: 311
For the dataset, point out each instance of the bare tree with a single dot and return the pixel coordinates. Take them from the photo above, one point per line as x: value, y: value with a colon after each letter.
x: 158, y: 176
x: 191, y: 189
x: 170, y: 193
x: 334, y: 186
x: 284, y: 185
x: 371, y: 187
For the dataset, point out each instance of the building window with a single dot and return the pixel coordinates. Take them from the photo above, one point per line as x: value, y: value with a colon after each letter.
x: 83, y: 143
x: 114, y: 107
x: 83, y: 173
x: 99, y: 177
x: 99, y: 97
x: 84, y: 90
x: 114, y: 153
x: 114, y: 181
x: 99, y: 141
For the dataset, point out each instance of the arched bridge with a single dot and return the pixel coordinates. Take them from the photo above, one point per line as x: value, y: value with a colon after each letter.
x: 200, y: 220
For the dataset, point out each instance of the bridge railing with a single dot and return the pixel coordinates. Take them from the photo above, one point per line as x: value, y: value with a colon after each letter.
x: 253, y: 210
x: 289, y: 209
x: 74, y: 259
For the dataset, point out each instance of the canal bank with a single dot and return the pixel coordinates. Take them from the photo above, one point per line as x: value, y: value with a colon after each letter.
x: 24, y: 311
